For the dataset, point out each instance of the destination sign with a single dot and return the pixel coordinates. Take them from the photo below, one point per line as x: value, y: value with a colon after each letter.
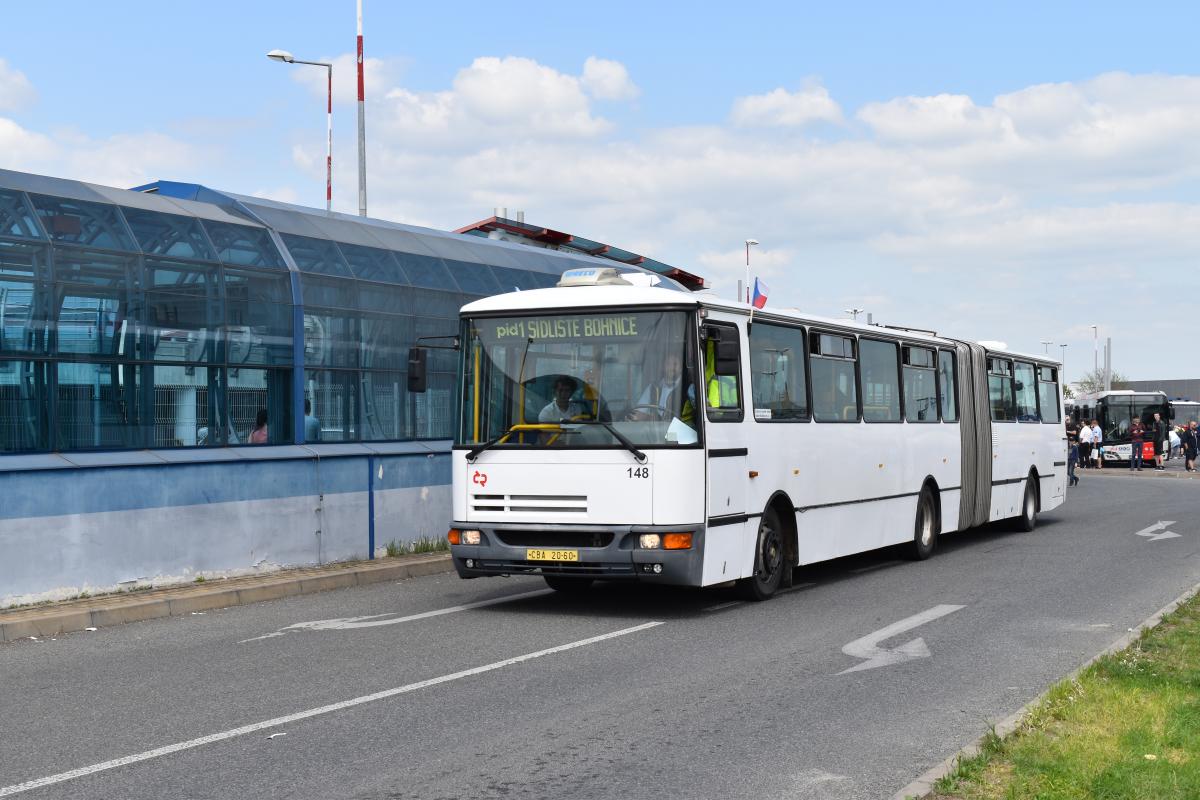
x: 571, y: 327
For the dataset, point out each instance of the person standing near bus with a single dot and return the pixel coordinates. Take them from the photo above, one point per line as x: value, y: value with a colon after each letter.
x: 1162, y: 440
x: 1097, y: 445
x: 1085, y: 445
x: 1137, y: 439
x: 1190, y: 441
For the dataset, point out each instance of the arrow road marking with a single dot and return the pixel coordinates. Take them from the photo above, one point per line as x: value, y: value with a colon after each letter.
x: 375, y: 621
x: 1152, y: 533
x: 868, y: 646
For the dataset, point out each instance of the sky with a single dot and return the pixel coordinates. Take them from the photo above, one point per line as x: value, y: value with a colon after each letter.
x: 1018, y: 172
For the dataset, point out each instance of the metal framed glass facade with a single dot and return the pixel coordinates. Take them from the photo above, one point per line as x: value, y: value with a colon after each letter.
x: 127, y: 327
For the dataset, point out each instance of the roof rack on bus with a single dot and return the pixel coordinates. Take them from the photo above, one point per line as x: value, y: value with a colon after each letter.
x: 925, y: 331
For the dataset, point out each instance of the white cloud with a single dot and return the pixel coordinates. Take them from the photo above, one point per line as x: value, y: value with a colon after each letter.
x: 16, y: 92
x: 608, y: 80
x: 781, y: 108
x: 931, y: 120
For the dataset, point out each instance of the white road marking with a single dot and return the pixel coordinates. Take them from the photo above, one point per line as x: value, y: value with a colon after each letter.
x: 375, y: 621
x: 868, y: 646
x: 158, y: 752
x: 1152, y: 533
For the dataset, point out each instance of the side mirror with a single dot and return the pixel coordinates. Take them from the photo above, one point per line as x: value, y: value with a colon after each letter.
x: 1171, y: 412
x: 727, y: 358
x: 417, y: 375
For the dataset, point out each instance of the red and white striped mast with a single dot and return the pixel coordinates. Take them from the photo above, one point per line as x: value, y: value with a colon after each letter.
x: 362, y: 125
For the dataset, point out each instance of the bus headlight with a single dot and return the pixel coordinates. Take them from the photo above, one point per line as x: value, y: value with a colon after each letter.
x: 650, y: 541
x: 471, y: 537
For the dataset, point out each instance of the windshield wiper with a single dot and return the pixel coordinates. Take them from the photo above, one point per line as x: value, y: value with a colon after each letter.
x: 474, y: 452
x: 620, y: 437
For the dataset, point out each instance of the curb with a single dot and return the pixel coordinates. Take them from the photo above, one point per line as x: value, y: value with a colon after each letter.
x: 922, y: 786
x: 176, y: 601
x: 1153, y: 473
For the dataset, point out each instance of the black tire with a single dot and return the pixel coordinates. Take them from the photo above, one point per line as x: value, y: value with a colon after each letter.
x: 1027, y: 520
x: 769, y: 561
x: 568, y: 584
x: 925, y: 528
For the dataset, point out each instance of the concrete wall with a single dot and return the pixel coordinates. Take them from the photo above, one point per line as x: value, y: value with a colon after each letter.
x: 71, y: 527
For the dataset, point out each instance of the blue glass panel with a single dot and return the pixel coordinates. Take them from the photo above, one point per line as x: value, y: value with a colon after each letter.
x: 81, y: 222
x: 373, y: 264
x: 330, y: 339
x: 474, y: 278
x: 258, y: 318
x: 386, y: 340
x: 23, y: 323
x: 384, y: 298
x: 512, y: 280
x: 316, y: 255
x: 438, y: 304
x: 109, y: 270
x: 257, y: 406
x: 244, y: 246
x: 387, y: 405
x: 183, y: 311
x: 168, y: 234
x: 426, y: 271
x: 328, y: 292
x: 97, y: 407
x: 331, y: 405
x: 24, y: 400
x: 15, y: 217
x: 182, y: 408
x: 544, y: 280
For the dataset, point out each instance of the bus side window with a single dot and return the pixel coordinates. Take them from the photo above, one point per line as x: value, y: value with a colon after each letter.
x: 1048, y: 393
x: 947, y: 386
x: 722, y: 373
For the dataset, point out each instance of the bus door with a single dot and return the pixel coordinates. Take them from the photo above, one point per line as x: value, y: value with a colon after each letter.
x: 726, y: 452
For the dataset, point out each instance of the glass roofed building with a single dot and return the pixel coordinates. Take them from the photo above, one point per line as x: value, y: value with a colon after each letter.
x: 150, y: 337
x: 174, y: 316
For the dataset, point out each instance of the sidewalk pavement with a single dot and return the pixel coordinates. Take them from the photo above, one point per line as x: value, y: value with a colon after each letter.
x: 115, y: 609
x: 1174, y: 470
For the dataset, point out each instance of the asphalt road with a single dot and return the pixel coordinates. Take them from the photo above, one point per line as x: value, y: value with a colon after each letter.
x: 625, y: 693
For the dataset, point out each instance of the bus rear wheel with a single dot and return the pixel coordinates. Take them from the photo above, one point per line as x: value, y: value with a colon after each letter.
x: 925, y: 529
x: 769, y: 561
x: 568, y: 584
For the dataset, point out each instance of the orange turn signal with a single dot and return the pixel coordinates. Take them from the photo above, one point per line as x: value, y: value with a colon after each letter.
x: 454, y: 536
x: 677, y: 541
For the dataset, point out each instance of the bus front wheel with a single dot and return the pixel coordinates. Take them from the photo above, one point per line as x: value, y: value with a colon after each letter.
x: 769, y: 562
x: 1027, y: 521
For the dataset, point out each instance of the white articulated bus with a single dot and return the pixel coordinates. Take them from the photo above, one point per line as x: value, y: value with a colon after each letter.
x: 616, y: 431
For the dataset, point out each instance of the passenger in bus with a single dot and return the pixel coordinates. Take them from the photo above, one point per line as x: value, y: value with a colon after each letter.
x: 670, y: 396
x: 564, y: 407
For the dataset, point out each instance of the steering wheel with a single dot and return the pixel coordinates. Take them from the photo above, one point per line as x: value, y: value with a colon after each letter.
x: 655, y: 412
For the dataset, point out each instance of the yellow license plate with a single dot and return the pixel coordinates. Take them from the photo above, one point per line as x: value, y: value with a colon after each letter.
x: 538, y: 554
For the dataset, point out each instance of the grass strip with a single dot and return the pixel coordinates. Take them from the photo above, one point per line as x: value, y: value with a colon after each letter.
x: 1126, y: 728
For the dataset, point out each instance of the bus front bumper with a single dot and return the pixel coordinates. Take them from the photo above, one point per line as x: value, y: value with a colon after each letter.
x: 603, y: 553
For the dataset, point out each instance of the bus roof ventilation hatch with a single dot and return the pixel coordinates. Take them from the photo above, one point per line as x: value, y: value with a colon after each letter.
x: 593, y: 276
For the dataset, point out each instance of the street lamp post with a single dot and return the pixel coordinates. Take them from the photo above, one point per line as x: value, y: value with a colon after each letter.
x: 854, y: 312
x: 1062, y: 369
x: 287, y: 58
x: 749, y: 243
x: 1046, y: 346
x: 1095, y: 349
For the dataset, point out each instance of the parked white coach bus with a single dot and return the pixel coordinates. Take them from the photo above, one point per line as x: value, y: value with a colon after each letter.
x: 612, y: 431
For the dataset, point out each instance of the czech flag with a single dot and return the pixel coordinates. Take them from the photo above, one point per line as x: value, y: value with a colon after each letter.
x: 760, y: 293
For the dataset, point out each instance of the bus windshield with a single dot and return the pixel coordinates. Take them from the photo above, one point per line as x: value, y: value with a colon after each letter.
x: 1120, y: 411
x: 603, y: 379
